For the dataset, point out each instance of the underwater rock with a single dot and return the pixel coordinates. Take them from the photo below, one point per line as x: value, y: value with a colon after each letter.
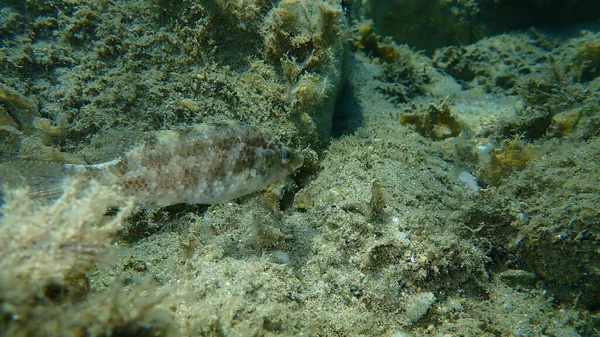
x: 419, y: 305
x: 307, y: 39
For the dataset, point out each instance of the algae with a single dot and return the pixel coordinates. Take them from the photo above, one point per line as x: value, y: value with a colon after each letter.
x: 377, y: 235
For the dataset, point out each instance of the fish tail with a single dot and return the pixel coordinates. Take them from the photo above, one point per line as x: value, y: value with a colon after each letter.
x: 44, y: 180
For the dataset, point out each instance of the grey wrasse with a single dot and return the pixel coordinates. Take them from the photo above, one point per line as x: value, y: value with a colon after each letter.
x: 199, y: 164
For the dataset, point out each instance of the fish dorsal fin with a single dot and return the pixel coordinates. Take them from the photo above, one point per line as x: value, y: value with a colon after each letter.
x: 228, y: 122
x: 113, y: 144
x: 225, y: 124
x: 130, y: 140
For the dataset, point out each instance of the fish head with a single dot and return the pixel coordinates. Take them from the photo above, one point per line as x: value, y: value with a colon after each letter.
x: 273, y: 164
x: 290, y: 159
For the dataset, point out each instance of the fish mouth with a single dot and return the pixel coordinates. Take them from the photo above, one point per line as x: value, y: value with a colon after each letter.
x: 296, y: 161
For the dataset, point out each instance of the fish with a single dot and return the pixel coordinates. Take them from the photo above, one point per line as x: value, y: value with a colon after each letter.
x: 198, y: 164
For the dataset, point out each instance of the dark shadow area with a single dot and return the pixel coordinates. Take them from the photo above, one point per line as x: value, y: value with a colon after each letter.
x: 148, y: 222
x: 554, y: 14
x: 461, y: 23
x: 347, y: 116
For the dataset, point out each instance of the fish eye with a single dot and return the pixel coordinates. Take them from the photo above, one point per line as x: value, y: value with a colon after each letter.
x: 285, y: 155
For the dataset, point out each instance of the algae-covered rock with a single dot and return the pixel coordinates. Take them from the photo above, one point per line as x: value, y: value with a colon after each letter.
x: 305, y: 38
x: 418, y: 305
x: 436, y: 122
x: 378, y: 234
x: 274, y: 65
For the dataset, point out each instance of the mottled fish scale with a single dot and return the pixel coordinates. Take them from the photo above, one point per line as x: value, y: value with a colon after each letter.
x: 200, y: 164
